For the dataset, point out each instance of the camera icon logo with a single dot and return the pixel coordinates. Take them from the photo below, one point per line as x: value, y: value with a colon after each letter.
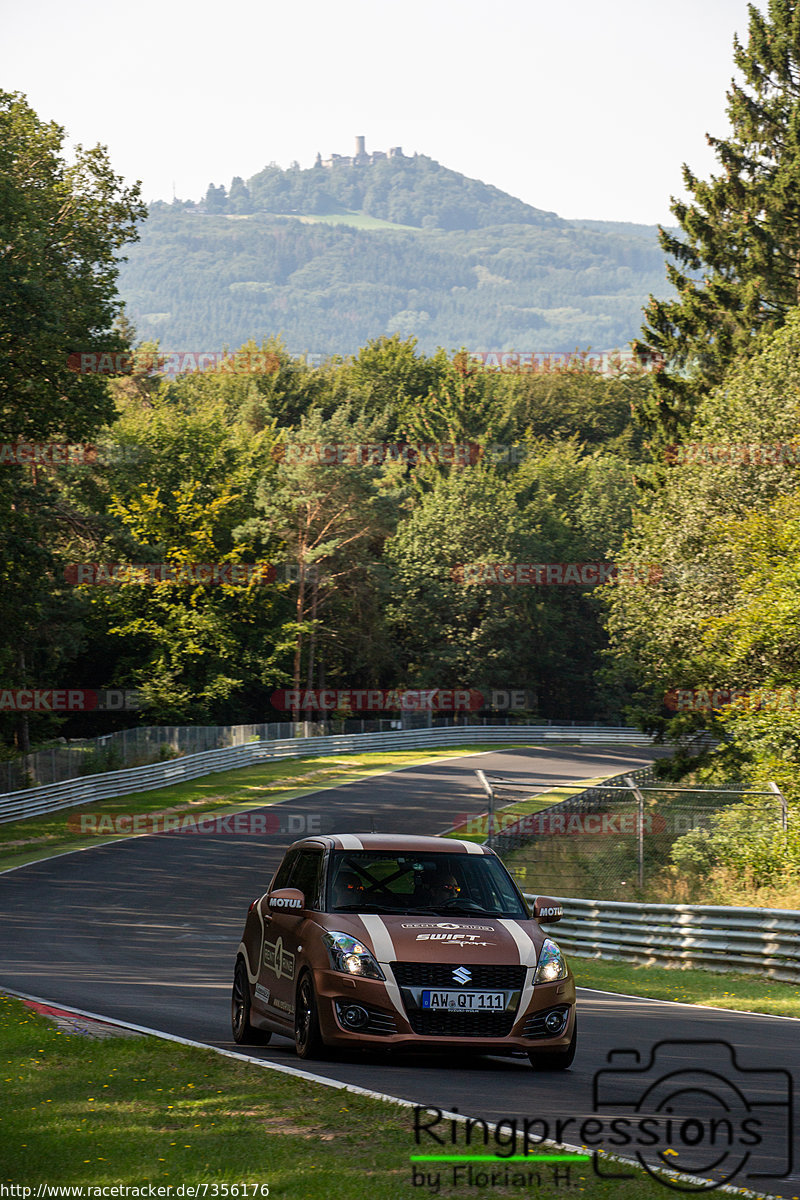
x: 692, y: 1109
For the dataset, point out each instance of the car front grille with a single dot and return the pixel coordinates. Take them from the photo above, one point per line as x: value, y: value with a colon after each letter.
x: 443, y: 1023
x: 535, y: 1027
x: 414, y: 976
x: 483, y: 976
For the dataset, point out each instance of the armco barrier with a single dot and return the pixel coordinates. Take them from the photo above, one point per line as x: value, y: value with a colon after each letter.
x: 34, y: 801
x: 765, y: 941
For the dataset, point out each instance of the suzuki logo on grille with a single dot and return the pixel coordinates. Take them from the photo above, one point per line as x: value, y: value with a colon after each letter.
x: 462, y: 975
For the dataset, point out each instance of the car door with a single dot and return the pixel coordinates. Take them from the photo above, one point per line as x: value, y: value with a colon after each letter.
x: 262, y: 996
x: 282, y: 935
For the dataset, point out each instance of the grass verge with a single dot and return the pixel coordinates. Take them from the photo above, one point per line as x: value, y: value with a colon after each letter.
x: 139, y: 1111
x: 35, y: 838
x: 747, y: 993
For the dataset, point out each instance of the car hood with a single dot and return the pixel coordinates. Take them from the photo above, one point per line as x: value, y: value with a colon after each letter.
x: 478, y: 939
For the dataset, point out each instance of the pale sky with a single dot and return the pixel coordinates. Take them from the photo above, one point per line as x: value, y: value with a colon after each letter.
x: 584, y: 109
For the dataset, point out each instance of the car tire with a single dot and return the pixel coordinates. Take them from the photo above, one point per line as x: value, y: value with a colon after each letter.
x: 243, y: 1032
x: 307, y: 1037
x: 556, y: 1060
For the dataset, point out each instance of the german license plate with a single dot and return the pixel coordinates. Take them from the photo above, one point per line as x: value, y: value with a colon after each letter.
x: 466, y: 1001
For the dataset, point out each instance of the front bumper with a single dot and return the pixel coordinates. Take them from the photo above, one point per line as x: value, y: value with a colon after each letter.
x: 391, y: 1027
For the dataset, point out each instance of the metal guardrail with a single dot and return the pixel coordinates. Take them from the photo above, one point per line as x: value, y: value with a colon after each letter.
x: 716, y: 938
x: 71, y: 792
x: 140, y: 745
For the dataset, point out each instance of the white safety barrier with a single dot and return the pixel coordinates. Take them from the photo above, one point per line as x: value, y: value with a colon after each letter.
x: 764, y: 941
x: 70, y: 792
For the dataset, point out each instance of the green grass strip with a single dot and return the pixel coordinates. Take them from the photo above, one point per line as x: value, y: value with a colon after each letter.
x: 747, y: 993
x: 500, y: 1158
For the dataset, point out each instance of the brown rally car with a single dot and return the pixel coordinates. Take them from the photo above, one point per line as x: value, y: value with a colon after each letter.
x: 411, y: 943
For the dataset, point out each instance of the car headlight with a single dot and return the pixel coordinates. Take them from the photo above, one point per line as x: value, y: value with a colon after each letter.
x: 552, y: 964
x: 349, y: 955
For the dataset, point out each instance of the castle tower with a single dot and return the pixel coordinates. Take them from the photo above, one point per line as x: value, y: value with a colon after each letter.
x: 361, y: 147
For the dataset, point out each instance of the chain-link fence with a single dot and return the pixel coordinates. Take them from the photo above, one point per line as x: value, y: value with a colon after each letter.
x: 627, y: 839
x: 154, y: 743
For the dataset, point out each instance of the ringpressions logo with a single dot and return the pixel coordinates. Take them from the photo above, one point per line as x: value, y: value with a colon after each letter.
x: 692, y: 1108
x: 513, y: 1154
x: 689, y: 1114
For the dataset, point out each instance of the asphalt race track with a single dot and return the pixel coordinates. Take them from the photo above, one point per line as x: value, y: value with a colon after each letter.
x: 145, y: 930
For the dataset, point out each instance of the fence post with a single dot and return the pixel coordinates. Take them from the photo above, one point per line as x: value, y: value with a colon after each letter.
x: 784, y: 806
x: 639, y: 826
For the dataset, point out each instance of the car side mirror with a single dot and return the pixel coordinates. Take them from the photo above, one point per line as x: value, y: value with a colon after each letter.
x: 289, y: 900
x: 547, y: 911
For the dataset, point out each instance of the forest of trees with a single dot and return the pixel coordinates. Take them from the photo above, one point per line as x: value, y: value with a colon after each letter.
x: 686, y: 477
x: 221, y: 467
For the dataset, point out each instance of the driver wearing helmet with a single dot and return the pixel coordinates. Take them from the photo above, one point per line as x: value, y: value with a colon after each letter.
x: 444, y: 887
x: 348, y: 889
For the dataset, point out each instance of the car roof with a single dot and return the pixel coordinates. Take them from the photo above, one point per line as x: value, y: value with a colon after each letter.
x: 395, y: 842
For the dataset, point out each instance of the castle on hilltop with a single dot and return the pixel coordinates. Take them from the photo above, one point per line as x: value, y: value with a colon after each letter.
x: 360, y: 158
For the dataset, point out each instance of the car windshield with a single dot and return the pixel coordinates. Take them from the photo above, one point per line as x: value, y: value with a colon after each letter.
x: 379, y: 881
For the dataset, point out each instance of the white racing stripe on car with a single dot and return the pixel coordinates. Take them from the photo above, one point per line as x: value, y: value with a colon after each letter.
x: 385, y: 953
x: 253, y: 975
x: 350, y: 842
x: 470, y: 847
x: 527, y: 954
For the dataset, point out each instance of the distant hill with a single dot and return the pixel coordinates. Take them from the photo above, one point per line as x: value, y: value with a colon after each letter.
x: 332, y: 256
x: 406, y: 191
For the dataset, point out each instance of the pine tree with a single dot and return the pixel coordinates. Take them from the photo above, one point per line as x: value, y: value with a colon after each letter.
x: 737, y: 260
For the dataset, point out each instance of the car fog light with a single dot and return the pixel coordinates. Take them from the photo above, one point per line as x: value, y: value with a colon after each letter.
x: 355, y: 1017
x: 555, y: 1022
